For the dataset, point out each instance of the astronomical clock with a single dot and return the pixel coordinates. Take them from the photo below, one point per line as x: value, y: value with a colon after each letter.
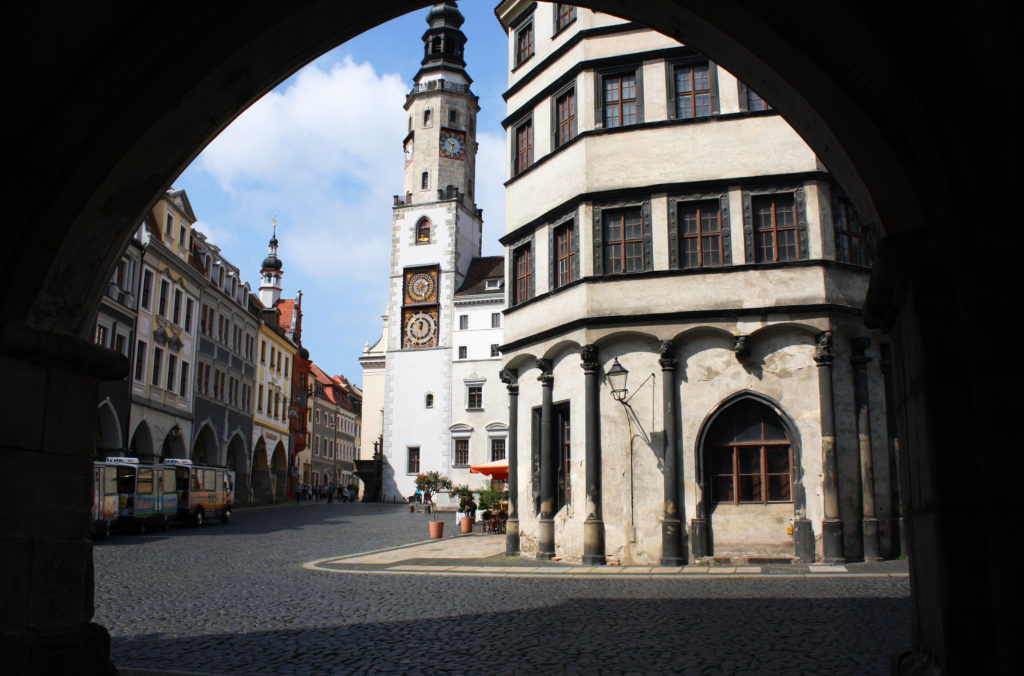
x: 419, y: 311
x: 453, y: 144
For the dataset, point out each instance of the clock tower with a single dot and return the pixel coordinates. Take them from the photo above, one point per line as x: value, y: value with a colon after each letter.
x: 436, y: 234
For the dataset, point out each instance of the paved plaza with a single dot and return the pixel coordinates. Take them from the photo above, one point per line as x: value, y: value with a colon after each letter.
x: 351, y: 588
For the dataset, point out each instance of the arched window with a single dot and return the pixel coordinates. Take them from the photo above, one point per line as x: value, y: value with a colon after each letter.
x: 749, y: 457
x: 423, y: 230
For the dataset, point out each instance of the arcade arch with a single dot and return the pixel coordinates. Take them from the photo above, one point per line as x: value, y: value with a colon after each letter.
x: 858, y: 92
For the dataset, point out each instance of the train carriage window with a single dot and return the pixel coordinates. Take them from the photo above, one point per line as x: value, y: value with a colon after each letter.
x: 145, y: 481
x: 210, y: 479
x: 196, y: 484
x: 169, y: 481
x: 126, y: 480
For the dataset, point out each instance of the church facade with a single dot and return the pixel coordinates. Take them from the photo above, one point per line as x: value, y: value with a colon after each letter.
x: 666, y: 227
x: 436, y: 238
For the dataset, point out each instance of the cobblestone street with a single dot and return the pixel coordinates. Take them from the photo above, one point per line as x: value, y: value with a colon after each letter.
x: 236, y: 600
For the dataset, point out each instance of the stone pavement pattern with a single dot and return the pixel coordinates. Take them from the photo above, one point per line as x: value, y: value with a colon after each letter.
x: 237, y: 600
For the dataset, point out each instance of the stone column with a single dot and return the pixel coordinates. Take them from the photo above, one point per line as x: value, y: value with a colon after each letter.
x: 593, y: 526
x: 832, y: 525
x: 673, y: 549
x: 46, y: 566
x: 897, y: 531
x: 511, y: 379
x: 546, y: 527
x: 867, y: 474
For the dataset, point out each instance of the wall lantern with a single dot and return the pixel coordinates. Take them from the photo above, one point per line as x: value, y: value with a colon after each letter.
x: 617, y: 375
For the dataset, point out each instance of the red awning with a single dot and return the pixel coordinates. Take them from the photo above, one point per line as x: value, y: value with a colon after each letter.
x: 497, y: 469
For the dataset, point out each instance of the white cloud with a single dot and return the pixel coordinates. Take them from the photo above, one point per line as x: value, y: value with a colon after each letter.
x: 327, y: 125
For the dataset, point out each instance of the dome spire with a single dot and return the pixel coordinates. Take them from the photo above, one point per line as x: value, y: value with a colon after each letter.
x: 270, y: 272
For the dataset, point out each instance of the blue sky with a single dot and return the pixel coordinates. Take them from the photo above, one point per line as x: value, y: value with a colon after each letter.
x: 323, y: 154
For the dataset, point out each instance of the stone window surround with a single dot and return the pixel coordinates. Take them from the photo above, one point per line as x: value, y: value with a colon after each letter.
x: 670, y: 84
x: 676, y: 199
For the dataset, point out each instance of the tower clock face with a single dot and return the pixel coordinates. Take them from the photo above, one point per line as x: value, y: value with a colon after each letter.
x: 420, y: 329
x: 420, y: 287
x: 409, y: 150
x: 453, y: 144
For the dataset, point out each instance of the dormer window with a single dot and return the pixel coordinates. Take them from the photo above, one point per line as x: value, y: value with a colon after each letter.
x: 493, y: 284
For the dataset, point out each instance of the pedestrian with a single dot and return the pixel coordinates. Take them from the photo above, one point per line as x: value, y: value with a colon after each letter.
x: 330, y: 493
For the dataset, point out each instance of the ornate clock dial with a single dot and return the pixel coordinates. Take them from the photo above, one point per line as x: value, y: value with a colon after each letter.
x: 420, y: 328
x: 420, y: 287
x: 453, y: 144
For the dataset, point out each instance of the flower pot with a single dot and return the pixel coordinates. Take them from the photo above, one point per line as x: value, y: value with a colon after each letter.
x: 467, y: 524
x: 436, y: 530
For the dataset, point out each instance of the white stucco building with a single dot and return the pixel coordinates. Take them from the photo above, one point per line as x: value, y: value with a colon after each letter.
x: 410, y: 377
x: 661, y: 217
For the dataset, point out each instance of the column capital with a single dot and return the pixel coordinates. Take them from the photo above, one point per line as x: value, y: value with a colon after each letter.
x: 545, y: 377
x: 667, y: 350
x: 860, y: 345
x: 510, y: 377
x: 588, y: 358
x: 824, y: 352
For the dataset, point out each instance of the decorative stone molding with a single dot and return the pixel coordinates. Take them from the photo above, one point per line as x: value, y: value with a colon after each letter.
x: 511, y: 379
x: 545, y: 377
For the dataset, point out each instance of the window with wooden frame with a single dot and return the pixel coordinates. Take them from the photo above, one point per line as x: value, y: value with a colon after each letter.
x: 775, y: 235
x: 497, y: 449
x: 522, y: 153
x: 622, y: 235
x: 463, y: 322
x: 158, y: 363
x: 463, y: 352
x: 475, y: 396
x: 693, y: 90
x: 522, y: 268
x: 851, y: 238
x: 565, y: 117
x: 754, y: 101
x: 461, y: 452
x: 140, y: 360
x: 749, y: 457
x: 565, y: 252
x: 620, y: 99
x: 413, y: 464
x: 524, y: 42
x: 700, y: 234
x: 564, y: 15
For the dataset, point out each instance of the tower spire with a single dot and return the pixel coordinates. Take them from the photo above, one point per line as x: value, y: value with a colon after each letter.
x: 270, y: 273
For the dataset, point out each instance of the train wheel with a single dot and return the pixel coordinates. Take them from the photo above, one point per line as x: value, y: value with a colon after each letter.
x: 225, y: 516
x: 200, y: 517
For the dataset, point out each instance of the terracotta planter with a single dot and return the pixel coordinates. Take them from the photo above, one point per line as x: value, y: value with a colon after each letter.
x: 467, y: 524
x: 436, y: 530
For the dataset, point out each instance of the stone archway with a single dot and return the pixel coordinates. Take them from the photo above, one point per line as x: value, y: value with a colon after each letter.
x: 237, y: 461
x: 749, y: 433
x: 141, y: 445
x: 279, y: 472
x: 860, y: 91
x: 108, y: 432
x: 204, y: 448
x: 259, y: 477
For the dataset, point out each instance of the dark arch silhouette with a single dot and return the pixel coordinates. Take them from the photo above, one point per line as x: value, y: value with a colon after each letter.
x: 860, y: 81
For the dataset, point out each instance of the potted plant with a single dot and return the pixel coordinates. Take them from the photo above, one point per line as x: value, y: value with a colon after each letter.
x: 431, y: 483
x: 467, y: 506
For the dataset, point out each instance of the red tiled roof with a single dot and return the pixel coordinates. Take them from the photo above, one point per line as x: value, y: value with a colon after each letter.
x: 287, y: 307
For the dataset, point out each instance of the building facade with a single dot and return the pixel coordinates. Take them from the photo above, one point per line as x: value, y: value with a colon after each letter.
x: 225, y: 366
x: 115, y: 330
x: 436, y: 237
x: 169, y: 293
x: 663, y: 220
